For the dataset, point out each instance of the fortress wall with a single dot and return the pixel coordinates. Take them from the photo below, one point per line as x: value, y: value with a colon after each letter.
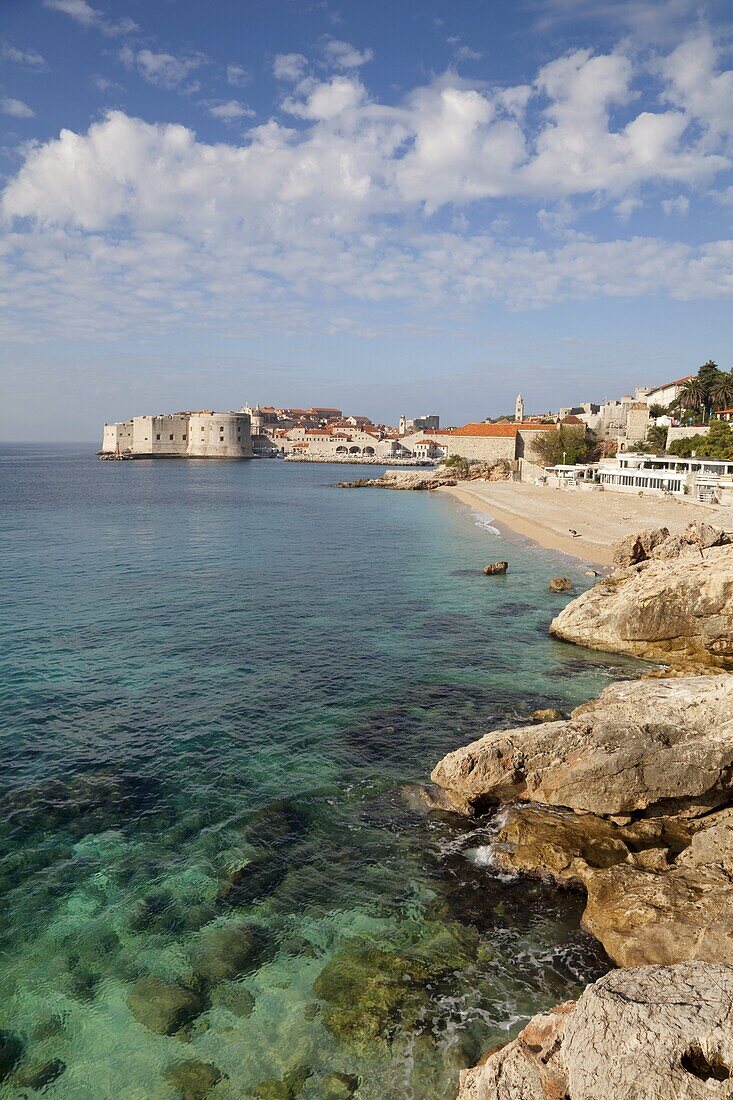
x: 219, y: 435
x: 117, y: 435
x: 485, y: 448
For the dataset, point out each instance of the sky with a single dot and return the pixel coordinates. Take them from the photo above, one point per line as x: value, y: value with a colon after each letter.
x: 413, y: 206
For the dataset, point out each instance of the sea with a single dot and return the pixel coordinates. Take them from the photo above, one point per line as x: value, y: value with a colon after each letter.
x: 222, y: 687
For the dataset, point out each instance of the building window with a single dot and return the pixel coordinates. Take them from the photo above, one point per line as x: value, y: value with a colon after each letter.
x: 170, y: 437
x: 158, y: 436
x: 184, y: 436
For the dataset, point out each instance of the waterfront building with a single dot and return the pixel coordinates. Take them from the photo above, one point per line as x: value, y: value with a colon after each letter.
x: 707, y: 480
x: 202, y: 434
x: 486, y: 442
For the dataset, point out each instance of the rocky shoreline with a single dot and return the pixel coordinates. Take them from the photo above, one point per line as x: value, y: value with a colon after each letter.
x: 630, y: 799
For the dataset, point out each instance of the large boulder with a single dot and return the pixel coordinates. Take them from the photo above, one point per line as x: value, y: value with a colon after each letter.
x: 655, y: 745
x: 659, y: 890
x: 677, y: 609
x: 632, y: 549
x: 652, y: 1033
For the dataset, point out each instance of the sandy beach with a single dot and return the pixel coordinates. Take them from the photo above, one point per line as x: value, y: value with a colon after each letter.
x: 546, y: 515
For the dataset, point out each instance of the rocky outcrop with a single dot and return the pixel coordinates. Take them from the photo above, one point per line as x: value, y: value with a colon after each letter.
x: 560, y: 584
x: 652, y: 1033
x: 649, y: 746
x: 496, y: 568
x: 393, y: 480
x: 628, y: 799
x: 659, y: 890
x: 670, y: 599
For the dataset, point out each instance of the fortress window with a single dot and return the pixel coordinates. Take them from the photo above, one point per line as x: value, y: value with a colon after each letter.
x: 184, y: 435
x: 171, y: 437
x: 158, y: 436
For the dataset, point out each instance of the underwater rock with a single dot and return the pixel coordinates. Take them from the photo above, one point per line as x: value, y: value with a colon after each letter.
x: 496, y: 568
x: 289, y: 1088
x: 11, y: 1051
x: 235, y: 997
x: 339, y: 1086
x: 164, y: 1007
x: 256, y: 879
x: 423, y: 798
x: 225, y: 951
x: 278, y: 823
x: 369, y: 989
x: 38, y: 1076
x: 193, y: 1079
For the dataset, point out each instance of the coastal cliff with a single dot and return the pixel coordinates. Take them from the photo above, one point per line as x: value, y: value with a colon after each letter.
x: 630, y: 800
x: 670, y: 598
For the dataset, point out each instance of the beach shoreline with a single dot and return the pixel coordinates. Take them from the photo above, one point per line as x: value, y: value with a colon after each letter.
x: 546, y: 515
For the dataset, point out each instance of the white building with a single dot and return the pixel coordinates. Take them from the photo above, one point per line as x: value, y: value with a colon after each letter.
x: 203, y: 434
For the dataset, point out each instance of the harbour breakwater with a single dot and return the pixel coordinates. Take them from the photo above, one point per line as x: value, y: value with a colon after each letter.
x: 631, y: 801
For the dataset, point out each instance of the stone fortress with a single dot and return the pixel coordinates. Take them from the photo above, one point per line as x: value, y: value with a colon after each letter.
x: 202, y: 434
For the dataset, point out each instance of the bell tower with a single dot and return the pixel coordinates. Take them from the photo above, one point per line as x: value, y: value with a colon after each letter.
x: 519, y: 409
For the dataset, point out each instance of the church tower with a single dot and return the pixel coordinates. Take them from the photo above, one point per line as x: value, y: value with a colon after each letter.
x: 519, y: 409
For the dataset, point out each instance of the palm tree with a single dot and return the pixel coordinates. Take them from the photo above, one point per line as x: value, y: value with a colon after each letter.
x: 721, y: 391
x: 692, y: 395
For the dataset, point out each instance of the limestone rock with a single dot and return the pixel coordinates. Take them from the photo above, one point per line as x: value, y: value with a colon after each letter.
x: 668, y: 912
x: 677, y: 610
x: 561, y: 584
x: 635, y: 548
x: 649, y: 745
x: 496, y: 568
x: 547, y: 714
x: 652, y: 1033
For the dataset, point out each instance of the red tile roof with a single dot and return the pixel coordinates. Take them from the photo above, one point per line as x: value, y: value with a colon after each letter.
x: 504, y: 430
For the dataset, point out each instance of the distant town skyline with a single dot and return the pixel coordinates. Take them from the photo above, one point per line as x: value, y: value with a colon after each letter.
x: 389, y: 208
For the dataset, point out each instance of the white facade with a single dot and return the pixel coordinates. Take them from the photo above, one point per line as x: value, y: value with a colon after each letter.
x: 180, y: 435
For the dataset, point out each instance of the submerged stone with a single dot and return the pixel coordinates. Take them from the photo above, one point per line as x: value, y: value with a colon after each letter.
x: 370, y: 990
x: 38, y: 1076
x: 11, y: 1051
x: 339, y: 1086
x: 163, y: 1007
x: 194, y: 1080
x: 225, y: 951
x: 289, y: 1088
x: 256, y: 879
x: 235, y: 997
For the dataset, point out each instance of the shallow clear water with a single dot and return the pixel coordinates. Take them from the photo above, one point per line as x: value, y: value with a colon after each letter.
x: 217, y: 682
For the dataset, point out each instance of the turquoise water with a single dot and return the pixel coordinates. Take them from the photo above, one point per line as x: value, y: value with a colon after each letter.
x: 218, y: 681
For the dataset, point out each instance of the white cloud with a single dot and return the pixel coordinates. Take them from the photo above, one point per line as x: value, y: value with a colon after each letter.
x: 326, y: 101
x: 676, y: 207
x: 143, y: 225
x: 466, y: 53
x: 626, y: 207
x: 29, y: 58
x: 696, y: 87
x: 237, y: 76
x: 87, y: 16
x: 164, y: 70
x: 16, y: 108
x: 342, y: 55
x: 230, y: 111
x: 289, y: 66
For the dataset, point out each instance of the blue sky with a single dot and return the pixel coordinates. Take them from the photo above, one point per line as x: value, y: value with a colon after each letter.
x: 383, y: 206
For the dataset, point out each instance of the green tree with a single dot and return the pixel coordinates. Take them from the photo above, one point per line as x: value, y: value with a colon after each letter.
x: 721, y: 391
x: 692, y: 395
x: 656, y: 439
x: 656, y: 410
x: 458, y: 465
x: 717, y: 443
x: 567, y: 444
